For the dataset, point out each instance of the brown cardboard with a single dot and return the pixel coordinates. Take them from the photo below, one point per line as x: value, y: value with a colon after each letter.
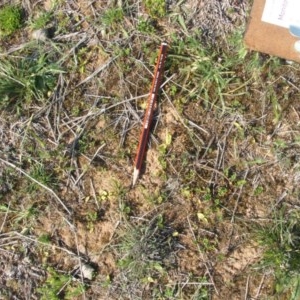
x: 268, y: 38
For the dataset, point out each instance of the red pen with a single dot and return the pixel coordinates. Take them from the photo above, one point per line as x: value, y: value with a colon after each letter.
x: 156, y: 83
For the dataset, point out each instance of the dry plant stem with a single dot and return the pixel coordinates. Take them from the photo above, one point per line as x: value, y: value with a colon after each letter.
x: 132, y: 111
x: 74, y: 164
x: 156, y: 84
x: 96, y: 112
x: 247, y: 288
x: 79, y: 260
x: 291, y: 83
x: 64, y: 286
x: 83, y: 40
x: 219, y: 163
x: 202, y: 257
x: 94, y: 193
x: 182, y: 121
x: 9, y: 244
x: 230, y: 235
x: 194, y: 283
x: 198, y: 127
x: 208, y: 168
x: 260, y: 287
x: 16, y: 48
x: 17, y: 234
x: 5, y: 217
x: 59, y: 93
x: 238, y: 198
x: 90, y: 162
x: 166, y: 81
x: 110, y: 238
x: 37, y: 182
x: 280, y: 199
x: 97, y: 71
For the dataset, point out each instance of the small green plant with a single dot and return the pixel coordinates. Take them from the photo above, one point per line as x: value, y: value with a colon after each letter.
x: 206, y: 71
x: 156, y: 8
x: 281, y: 239
x: 208, y: 245
x: 60, y: 286
x: 147, y: 252
x: 91, y: 219
x: 258, y: 191
x: 112, y: 17
x: 41, y: 21
x: 124, y: 207
x: 63, y: 22
x: 157, y: 197
x: 163, y: 150
x: 24, y: 79
x: 26, y: 215
x: 145, y: 26
x: 205, y: 194
x: 42, y: 175
x: 44, y: 238
x: 10, y: 20
x: 83, y: 58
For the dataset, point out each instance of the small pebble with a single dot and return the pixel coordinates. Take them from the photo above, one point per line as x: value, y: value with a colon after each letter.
x: 40, y: 34
x: 87, y: 271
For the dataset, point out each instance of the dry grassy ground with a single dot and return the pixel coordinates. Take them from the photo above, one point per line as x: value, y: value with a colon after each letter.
x: 215, y: 214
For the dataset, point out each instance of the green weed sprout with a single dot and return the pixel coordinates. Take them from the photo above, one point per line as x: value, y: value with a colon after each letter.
x: 41, y: 21
x: 42, y: 175
x: 10, y: 20
x: 113, y: 16
x: 60, y: 286
x: 156, y: 8
x: 281, y: 240
x: 145, y: 26
x: 26, y: 79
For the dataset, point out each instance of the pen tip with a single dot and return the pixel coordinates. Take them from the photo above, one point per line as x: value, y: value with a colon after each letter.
x: 135, y: 176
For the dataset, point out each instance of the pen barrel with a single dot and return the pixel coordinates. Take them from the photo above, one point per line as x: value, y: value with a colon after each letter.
x: 156, y: 83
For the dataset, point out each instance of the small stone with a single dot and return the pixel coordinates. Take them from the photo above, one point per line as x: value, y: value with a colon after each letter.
x: 87, y: 271
x: 40, y: 34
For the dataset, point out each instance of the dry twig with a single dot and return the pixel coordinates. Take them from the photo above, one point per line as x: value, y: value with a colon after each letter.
x: 37, y: 182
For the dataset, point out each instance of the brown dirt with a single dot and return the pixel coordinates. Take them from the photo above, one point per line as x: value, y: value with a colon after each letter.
x: 204, y: 185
